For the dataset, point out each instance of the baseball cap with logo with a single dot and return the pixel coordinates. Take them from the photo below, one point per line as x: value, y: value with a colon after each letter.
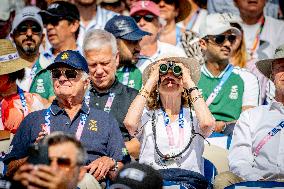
x: 7, y: 6
x: 149, y: 6
x: 216, y: 24
x: 61, y: 9
x: 71, y: 59
x: 27, y: 13
x: 138, y: 176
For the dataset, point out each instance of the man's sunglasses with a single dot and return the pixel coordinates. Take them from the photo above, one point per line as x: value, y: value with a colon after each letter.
x: 147, y: 17
x: 22, y: 29
x: 68, y: 73
x: 220, y: 39
x: 61, y: 162
x: 169, y: 2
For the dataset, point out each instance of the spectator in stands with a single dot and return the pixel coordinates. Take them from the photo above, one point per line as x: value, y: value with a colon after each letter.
x: 27, y: 34
x: 69, y: 113
x: 257, y: 145
x: 228, y: 90
x: 107, y: 94
x: 172, y: 11
x: 260, y: 43
x: 7, y: 15
x: 117, y: 6
x: 146, y: 14
x: 67, y: 157
x: 138, y: 176
x: 128, y: 36
x: 197, y: 14
x: 93, y: 16
x: 161, y: 117
x: 15, y: 103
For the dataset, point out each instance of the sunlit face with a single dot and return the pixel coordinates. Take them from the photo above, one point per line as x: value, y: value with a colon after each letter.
x: 250, y: 7
x: 168, y: 11
x: 128, y: 51
x: 68, y: 152
x: 278, y: 74
x: 85, y: 2
x: 28, y: 37
x: 72, y: 87
x: 102, y: 66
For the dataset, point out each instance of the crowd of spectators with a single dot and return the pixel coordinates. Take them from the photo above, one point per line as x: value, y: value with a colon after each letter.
x: 127, y: 93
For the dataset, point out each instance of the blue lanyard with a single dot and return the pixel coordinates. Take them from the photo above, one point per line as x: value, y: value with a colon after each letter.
x: 109, y: 102
x: 80, y: 128
x: 23, y: 101
x: 192, y: 21
x: 180, y: 118
x: 218, y: 88
x: 178, y: 35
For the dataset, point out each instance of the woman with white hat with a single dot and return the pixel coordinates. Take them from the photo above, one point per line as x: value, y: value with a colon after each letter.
x: 15, y: 104
x: 162, y: 118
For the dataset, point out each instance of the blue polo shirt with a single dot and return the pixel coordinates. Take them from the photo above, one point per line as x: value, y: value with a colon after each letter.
x: 100, y: 137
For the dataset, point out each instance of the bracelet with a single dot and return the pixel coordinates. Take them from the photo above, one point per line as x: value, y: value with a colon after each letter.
x: 189, y: 91
x: 115, y: 165
x: 194, y: 99
x: 143, y: 92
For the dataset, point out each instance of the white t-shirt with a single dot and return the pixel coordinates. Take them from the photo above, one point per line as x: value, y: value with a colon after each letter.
x: 164, y: 49
x: 190, y: 160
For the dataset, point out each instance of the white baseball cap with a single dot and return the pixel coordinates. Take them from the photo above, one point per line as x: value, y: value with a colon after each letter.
x: 216, y: 24
x: 27, y: 13
x: 7, y: 6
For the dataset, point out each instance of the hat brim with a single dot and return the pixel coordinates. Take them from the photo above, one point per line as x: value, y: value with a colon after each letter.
x: 265, y: 66
x: 13, y: 66
x: 59, y: 64
x: 28, y: 19
x: 184, y: 10
x: 190, y: 63
x: 45, y: 13
x: 222, y: 30
x: 135, y: 35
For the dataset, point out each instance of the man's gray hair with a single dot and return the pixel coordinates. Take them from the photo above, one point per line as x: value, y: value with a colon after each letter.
x: 97, y: 38
x: 59, y: 137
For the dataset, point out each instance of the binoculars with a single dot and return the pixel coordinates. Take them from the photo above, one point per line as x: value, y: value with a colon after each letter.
x: 176, y: 69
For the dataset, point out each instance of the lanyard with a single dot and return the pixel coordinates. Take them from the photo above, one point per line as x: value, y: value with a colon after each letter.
x: 23, y: 101
x: 126, y: 71
x: 270, y: 134
x: 170, y: 131
x: 257, y: 38
x: 109, y: 102
x: 178, y: 35
x: 218, y: 88
x: 192, y: 20
x: 80, y: 128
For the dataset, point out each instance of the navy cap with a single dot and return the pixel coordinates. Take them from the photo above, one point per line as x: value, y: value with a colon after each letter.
x: 125, y: 27
x: 61, y: 9
x: 72, y: 59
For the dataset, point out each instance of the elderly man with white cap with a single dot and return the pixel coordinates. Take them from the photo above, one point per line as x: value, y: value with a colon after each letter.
x: 228, y: 90
x: 258, y: 145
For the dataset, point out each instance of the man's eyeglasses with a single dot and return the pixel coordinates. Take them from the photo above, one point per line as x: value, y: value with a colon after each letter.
x: 22, y: 29
x: 55, y: 20
x: 68, y: 73
x: 169, y: 2
x: 62, y: 162
x: 220, y: 39
x: 147, y: 17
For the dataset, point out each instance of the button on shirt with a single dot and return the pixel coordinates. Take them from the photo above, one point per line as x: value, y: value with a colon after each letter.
x: 100, y: 136
x: 123, y: 97
x: 252, y: 126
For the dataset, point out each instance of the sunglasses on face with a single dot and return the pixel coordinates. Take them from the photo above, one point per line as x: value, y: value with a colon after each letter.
x: 68, y: 73
x: 54, y: 20
x: 147, y: 17
x: 22, y: 29
x: 169, y: 2
x: 61, y: 162
x: 176, y: 69
x: 220, y: 39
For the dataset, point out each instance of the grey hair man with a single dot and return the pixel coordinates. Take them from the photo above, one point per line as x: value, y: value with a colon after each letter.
x: 107, y: 94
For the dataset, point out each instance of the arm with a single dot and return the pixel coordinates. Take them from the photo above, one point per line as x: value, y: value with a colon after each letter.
x: 133, y: 117
x: 240, y: 155
x: 203, y: 114
x: 133, y: 147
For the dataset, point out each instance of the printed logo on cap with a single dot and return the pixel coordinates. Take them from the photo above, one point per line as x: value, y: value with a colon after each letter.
x: 64, y: 56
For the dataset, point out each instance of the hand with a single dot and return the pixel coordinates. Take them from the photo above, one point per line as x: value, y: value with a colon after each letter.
x: 41, y: 135
x: 41, y: 176
x: 219, y: 126
x: 186, y: 78
x: 100, y: 167
x: 153, y: 77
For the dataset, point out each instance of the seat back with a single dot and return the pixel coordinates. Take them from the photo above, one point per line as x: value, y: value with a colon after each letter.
x: 210, y: 171
x: 257, y: 184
